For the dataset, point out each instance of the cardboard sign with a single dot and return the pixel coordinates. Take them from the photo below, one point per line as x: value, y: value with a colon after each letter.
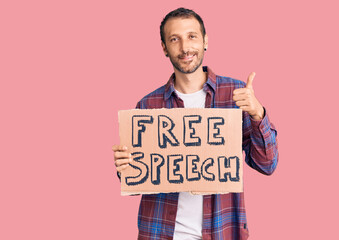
x: 197, y: 150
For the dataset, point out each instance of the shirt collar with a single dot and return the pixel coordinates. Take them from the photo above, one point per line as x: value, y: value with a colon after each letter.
x: 210, y: 83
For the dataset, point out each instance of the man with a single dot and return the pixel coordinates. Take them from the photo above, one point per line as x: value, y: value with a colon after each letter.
x: 182, y: 215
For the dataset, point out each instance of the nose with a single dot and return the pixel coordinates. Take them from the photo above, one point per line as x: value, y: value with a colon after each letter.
x: 185, y: 46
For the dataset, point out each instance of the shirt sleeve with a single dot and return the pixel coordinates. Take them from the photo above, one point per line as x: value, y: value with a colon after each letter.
x: 260, y: 143
x: 138, y: 106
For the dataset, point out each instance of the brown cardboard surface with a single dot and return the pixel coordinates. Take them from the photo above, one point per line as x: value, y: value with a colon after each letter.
x: 197, y: 150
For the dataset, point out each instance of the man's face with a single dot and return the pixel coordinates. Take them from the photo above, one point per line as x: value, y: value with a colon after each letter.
x: 184, y: 43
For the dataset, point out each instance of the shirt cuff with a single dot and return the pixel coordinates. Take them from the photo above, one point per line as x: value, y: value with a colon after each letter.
x: 260, y: 124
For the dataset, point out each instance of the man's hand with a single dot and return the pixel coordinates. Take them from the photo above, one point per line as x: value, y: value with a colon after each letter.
x: 121, y: 157
x: 244, y: 98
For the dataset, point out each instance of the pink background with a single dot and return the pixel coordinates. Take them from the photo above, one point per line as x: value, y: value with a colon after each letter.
x: 67, y: 67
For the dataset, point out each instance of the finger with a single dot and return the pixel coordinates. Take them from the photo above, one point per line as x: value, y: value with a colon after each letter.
x: 241, y: 103
x: 119, y: 155
x: 245, y: 108
x: 119, y: 148
x: 240, y: 97
x: 239, y: 91
x: 250, y: 80
x: 119, y: 169
x: 246, y: 93
x: 121, y: 162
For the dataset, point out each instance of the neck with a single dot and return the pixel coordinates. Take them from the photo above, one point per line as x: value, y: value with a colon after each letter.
x: 190, y: 82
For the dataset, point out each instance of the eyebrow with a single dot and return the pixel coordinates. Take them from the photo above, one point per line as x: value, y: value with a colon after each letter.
x: 175, y: 34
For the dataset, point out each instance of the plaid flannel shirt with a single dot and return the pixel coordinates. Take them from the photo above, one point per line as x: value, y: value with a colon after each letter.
x: 224, y: 215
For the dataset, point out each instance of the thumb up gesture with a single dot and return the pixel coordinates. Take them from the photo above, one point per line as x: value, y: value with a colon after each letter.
x: 244, y: 98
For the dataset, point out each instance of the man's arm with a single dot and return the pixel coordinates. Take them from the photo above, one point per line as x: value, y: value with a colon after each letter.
x: 260, y: 144
x: 259, y: 135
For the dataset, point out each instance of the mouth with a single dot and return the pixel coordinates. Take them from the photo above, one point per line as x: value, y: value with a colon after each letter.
x: 187, y: 58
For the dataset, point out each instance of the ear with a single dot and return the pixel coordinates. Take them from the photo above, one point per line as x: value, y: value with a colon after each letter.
x: 206, y: 41
x: 164, y: 49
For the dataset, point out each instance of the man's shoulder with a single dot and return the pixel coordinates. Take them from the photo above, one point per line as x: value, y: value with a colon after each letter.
x: 153, y: 99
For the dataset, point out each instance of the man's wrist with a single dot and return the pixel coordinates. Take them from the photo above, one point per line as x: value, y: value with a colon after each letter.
x: 259, y: 115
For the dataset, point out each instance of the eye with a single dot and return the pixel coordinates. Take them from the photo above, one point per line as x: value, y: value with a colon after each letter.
x: 193, y: 36
x: 173, y: 39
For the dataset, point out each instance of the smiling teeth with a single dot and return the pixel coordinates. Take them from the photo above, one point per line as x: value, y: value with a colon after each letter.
x: 189, y: 56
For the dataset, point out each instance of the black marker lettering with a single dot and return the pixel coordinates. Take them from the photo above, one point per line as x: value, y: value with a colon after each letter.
x: 204, y: 167
x: 213, y: 132
x: 141, y: 167
x: 189, y: 131
x: 173, y: 167
x: 165, y: 134
x: 229, y: 167
x: 157, y: 161
x: 138, y: 126
x: 191, y: 168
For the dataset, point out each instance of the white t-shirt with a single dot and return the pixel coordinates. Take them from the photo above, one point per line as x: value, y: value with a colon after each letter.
x: 188, y: 223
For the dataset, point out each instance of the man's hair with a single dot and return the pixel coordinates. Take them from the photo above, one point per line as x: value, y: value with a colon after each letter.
x: 181, y: 13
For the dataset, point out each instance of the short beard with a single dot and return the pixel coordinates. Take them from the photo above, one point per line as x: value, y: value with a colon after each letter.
x: 176, y: 66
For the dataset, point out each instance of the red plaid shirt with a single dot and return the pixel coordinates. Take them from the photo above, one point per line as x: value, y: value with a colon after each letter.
x: 224, y: 215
